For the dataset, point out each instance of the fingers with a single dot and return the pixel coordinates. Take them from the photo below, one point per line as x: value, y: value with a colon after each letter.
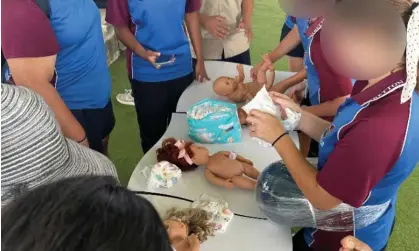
x: 221, y: 19
x: 221, y: 32
x: 352, y: 243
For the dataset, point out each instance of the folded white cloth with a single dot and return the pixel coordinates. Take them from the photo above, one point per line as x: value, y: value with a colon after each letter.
x: 263, y: 102
x: 221, y: 215
x: 162, y: 174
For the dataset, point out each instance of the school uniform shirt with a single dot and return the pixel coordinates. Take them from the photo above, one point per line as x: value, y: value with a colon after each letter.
x: 289, y: 21
x: 327, y: 84
x: 158, y: 26
x: 367, y: 152
x: 74, y: 33
x: 236, y: 42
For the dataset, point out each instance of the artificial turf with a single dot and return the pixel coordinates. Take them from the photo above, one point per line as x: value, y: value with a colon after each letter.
x: 267, y: 22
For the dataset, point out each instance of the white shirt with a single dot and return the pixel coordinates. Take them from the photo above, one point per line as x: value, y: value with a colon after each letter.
x: 236, y: 42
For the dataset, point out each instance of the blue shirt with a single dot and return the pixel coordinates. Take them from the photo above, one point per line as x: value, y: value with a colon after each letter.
x: 289, y: 22
x: 159, y: 27
x: 82, y: 74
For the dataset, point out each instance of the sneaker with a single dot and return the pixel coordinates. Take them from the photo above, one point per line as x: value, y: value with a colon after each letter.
x: 125, y: 98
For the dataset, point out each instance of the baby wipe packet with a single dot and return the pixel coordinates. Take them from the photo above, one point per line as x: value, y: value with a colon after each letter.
x: 214, y: 122
x: 221, y: 215
x: 263, y: 102
x: 162, y: 174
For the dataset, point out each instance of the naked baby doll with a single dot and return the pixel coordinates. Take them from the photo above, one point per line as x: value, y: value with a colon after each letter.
x: 188, y: 228
x: 226, y: 169
x: 236, y: 91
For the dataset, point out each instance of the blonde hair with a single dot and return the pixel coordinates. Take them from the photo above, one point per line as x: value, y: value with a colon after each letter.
x: 197, y: 220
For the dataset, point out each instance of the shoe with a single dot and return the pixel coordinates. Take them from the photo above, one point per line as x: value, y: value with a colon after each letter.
x: 125, y: 98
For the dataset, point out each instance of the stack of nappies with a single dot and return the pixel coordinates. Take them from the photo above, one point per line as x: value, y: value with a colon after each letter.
x: 264, y: 103
x: 218, y: 209
x: 163, y: 174
x: 213, y: 121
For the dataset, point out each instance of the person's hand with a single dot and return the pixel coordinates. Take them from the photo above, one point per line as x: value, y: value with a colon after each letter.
x: 229, y: 184
x: 350, y: 243
x: 217, y: 26
x: 151, y: 57
x: 254, y: 71
x: 200, y: 72
x: 248, y: 161
x: 285, y: 102
x: 248, y: 31
x: 194, y: 242
x: 264, y: 126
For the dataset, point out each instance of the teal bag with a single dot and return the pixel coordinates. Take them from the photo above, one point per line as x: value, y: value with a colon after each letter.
x: 214, y: 122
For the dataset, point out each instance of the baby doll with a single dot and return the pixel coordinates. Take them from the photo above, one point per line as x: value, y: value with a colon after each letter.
x: 237, y: 91
x: 188, y: 227
x: 224, y: 169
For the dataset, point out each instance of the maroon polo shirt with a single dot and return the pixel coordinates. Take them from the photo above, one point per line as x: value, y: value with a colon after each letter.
x: 332, y: 84
x: 26, y: 31
x: 370, y: 144
x: 368, y: 148
x: 117, y: 14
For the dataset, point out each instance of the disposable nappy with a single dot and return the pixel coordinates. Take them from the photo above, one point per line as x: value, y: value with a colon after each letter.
x: 162, y: 174
x: 214, y: 122
x: 218, y: 209
x: 263, y: 102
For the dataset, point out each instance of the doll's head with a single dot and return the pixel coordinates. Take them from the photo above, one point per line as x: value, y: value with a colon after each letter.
x: 181, y: 223
x: 185, y: 155
x: 224, y: 86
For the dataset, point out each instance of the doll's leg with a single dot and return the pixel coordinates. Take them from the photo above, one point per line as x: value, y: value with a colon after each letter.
x: 244, y: 182
x: 270, y: 79
x: 251, y: 171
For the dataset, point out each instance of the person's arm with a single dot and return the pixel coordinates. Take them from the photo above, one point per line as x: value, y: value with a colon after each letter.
x: 33, y: 65
x: 36, y: 74
x: 326, y: 109
x: 194, y: 29
x: 312, y: 125
x: 247, y: 11
x: 117, y: 14
x: 291, y: 40
x: 283, y: 85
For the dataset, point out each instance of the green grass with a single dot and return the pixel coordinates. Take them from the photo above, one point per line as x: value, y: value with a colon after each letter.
x: 268, y: 18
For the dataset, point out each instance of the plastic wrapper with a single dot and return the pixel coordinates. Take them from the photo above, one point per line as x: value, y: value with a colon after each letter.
x: 263, y: 102
x: 218, y: 209
x: 282, y: 202
x: 214, y: 122
x: 162, y: 174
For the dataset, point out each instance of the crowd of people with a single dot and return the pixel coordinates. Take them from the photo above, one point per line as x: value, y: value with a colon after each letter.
x: 58, y: 194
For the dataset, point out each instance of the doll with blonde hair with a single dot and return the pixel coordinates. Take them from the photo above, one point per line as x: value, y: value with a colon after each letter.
x: 188, y: 228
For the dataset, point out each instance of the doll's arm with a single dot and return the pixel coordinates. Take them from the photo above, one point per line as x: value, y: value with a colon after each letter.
x: 216, y: 180
x: 270, y: 78
x: 241, y: 73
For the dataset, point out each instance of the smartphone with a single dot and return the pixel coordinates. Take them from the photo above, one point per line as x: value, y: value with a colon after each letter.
x: 165, y: 59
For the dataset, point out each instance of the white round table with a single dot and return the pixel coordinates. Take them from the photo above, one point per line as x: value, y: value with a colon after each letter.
x: 244, y: 234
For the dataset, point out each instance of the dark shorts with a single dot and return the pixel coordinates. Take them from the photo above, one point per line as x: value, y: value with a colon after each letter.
x: 298, y: 52
x: 97, y: 123
x: 242, y: 58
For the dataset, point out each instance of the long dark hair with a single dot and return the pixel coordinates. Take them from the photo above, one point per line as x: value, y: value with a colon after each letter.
x: 82, y: 214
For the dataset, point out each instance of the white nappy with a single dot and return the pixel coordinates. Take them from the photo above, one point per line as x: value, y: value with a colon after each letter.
x: 162, y: 174
x: 264, y: 103
x: 221, y: 215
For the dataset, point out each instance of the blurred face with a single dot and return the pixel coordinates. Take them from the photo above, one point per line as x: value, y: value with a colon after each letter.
x: 307, y: 8
x: 224, y: 86
x: 201, y: 155
x: 362, y: 39
x: 177, y: 230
